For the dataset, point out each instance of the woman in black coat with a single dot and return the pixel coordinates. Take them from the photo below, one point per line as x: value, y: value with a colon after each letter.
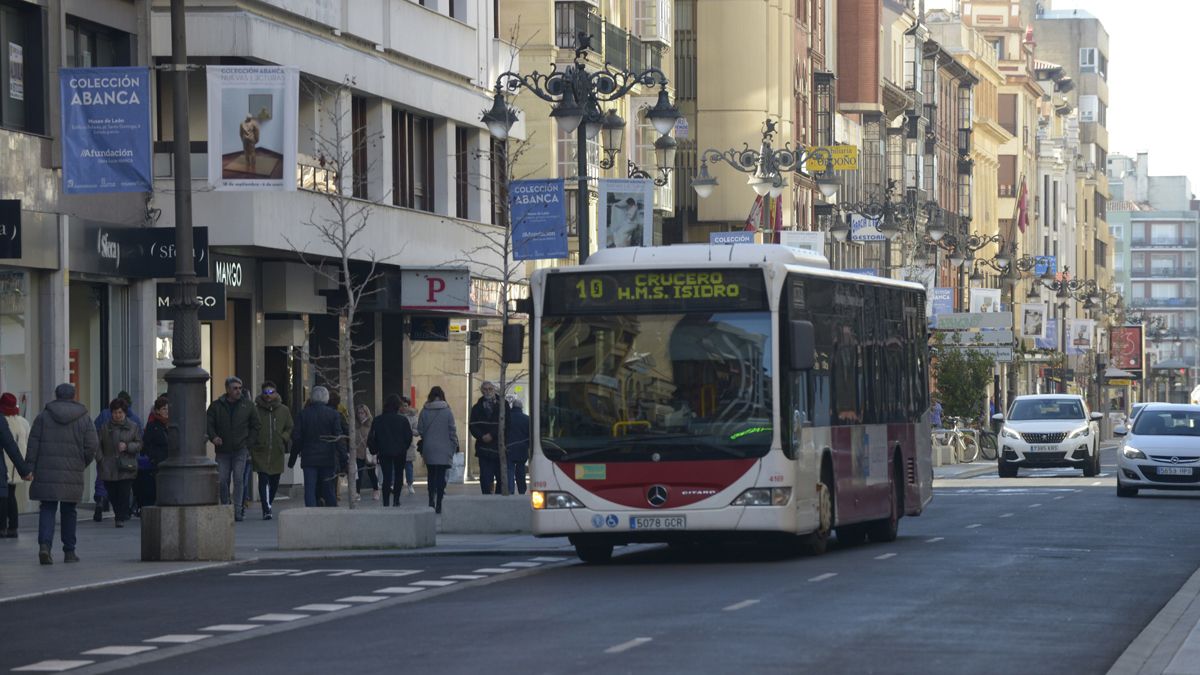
x: 154, y: 452
x: 391, y: 434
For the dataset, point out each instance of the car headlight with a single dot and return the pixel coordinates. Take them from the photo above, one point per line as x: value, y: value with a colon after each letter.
x: 1084, y: 431
x: 1132, y: 452
x: 553, y: 500
x: 1009, y: 433
x: 764, y: 497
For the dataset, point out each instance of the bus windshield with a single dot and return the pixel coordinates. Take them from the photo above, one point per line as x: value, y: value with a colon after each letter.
x: 662, y: 387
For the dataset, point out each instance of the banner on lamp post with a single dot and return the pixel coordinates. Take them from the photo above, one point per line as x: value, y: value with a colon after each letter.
x: 538, y: 219
x: 626, y: 212
x: 106, y: 130
x: 865, y: 229
x: 252, y: 127
x: 1033, y: 320
x: 1080, y: 336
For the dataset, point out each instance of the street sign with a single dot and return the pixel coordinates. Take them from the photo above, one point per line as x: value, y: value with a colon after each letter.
x: 1119, y: 383
x: 845, y: 158
x: 982, y: 337
x: 966, y: 321
x: 997, y: 353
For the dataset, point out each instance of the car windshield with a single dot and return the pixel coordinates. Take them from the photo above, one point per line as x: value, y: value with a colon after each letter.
x: 1046, y: 409
x: 1168, y: 423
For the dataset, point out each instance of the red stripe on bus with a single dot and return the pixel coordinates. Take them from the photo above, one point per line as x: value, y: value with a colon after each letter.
x: 627, y: 483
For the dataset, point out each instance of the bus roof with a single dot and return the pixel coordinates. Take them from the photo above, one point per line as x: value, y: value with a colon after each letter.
x: 692, y: 254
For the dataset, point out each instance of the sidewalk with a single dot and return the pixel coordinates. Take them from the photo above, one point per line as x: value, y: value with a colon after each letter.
x: 112, y: 556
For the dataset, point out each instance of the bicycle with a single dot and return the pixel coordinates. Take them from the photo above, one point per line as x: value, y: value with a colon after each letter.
x: 962, y: 441
x: 988, y: 446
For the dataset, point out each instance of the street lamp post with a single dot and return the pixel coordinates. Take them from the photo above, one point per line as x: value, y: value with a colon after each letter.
x: 578, y: 94
x: 766, y: 166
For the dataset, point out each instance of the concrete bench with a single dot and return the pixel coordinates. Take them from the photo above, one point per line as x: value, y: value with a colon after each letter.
x: 486, y: 514
x: 343, y: 528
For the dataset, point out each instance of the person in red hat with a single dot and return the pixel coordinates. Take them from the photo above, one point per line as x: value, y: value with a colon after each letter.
x: 19, y: 426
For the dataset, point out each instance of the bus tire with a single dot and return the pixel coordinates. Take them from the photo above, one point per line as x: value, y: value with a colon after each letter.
x: 816, y: 542
x: 594, y: 553
x: 886, y: 529
x: 851, y: 535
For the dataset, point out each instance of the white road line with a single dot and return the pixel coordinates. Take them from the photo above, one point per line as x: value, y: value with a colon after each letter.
x: 119, y: 650
x: 1099, y: 482
x: 1007, y: 515
x: 547, y: 559
x: 465, y: 577
x: 435, y: 583
x: 823, y: 577
x: 626, y: 646
x: 885, y: 556
x: 362, y: 598
x: 278, y: 617
x: 974, y: 525
x: 179, y: 639
x: 231, y: 627
x: 1034, y: 506
x: 494, y: 570
x: 398, y: 590
x: 740, y: 605
x: 56, y: 666
x: 519, y: 565
x: 934, y: 540
x: 321, y: 607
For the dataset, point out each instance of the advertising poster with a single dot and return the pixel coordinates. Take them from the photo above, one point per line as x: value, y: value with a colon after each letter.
x: 1050, y: 341
x: 252, y: 127
x: 809, y: 241
x: 864, y: 229
x: 106, y: 129
x: 538, y: 215
x: 1079, y: 335
x: 941, y: 301
x: 16, y: 72
x: 626, y: 212
x: 984, y: 300
x: 1033, y: 320
x: 1125, y: 347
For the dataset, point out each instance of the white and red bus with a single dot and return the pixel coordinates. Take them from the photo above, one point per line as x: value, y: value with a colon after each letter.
x: 691, y: 392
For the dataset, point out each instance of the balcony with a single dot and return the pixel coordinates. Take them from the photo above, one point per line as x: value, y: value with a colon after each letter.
x: 964, y: 142
x: 1164, y: 303
x: 616, y: 46
x: 652, y: 21
x: 1164, y: 242
x: 572, y: 18
x: 1164, y: 273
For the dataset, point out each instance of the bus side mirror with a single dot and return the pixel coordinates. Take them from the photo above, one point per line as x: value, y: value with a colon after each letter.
x: 513, y: 346
x: 803, y: 346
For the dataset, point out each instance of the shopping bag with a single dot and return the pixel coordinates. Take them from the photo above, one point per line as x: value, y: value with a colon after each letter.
x: 458, y: 468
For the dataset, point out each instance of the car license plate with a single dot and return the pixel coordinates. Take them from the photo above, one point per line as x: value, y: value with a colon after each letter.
x: 1043, y: 448
x: 657, y: 522
x: 1174, y: 470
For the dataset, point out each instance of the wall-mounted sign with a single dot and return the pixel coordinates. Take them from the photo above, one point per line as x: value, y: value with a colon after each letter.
x: 106, y: 129
x: 134, y: 252
x: 430, y: 329
x: 10, y: 228
x: 447, y: 289
x: 844, y: 156
x: 739, y: 237
x: 209, y: 296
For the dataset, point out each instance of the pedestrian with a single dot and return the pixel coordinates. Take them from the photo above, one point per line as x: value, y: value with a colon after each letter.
x: 439, y: 443
x: 271, y: 445
x: 935, y: 414
x: 120, y: 445
x: 232, y: 429
x: 62, y: 443
x: 102, y: 501
x: 516, y: 444
x: 319, y: 439
x: 410, y: 413
x: 484, y: 425
x: 154, y: 452
x: 364, y: 460
x: 18, y: 426
x: 390, y: 439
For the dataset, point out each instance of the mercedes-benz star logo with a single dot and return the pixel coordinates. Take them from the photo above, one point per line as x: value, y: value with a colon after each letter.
x: 657, y: 495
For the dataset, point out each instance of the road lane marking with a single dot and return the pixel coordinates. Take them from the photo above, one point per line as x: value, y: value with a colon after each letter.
x: 53, y: 666
x: 520, y: 565
x: 548, y: 559
x: 934, y: 540
x: 823, y: 577
x: 179, y: 638
x: 465, y: 577
x: 321, y: 607
x: 1058, y: 497
x: 1007, y: 515
x: 1099, y: 482
x: 740, y: 605
x: 435, y: 583
x: 1034, y: 506
x: 119, y: 650
x: 399, y: 590
x: 494, y: 570
x: 232, y: 627
x: 362, y: 598
x: 885, y: 556
x: 279, y: 617
x: 626, y: 646
x: 974, y: 525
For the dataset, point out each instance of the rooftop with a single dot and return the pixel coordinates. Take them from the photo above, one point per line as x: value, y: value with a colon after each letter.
x: 1067, y: 14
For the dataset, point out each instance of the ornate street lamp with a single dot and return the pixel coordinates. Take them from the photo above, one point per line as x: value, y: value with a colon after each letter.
x: 578, y: 94
x: 766, y: 166
x: 894, y: 215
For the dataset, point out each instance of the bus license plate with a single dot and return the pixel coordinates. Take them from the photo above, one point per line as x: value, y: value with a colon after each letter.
x: 657, y: 522
x: 1174, y: 470
x: 1043, y: 448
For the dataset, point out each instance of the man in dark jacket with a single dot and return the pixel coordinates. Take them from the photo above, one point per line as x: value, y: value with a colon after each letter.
x: 390, y: 437
x: 232, y: 428
x: 320, y: 439
x: 516, y: 443
x: 484, y: 425
x: 62, y: 443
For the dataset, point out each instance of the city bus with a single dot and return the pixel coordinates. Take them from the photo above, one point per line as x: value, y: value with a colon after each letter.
x: 730, y: 392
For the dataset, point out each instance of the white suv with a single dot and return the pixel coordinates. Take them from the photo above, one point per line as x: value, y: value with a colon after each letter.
x: 1049, y: 430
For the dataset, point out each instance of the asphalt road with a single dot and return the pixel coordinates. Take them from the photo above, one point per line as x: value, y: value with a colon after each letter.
x: 1045, y: 573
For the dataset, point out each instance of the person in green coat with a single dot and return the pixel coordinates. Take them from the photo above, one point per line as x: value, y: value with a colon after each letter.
x: 272, y: 444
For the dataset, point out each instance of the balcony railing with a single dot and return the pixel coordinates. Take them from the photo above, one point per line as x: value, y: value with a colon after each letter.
x: 1180, y: 303
x: 637, y: 54
x: 1165, y: 242
x: 616, y: 46
x: 1165, y: 272
x: 572, y: 18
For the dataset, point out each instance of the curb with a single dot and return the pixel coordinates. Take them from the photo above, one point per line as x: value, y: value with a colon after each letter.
x: 1164, y: 640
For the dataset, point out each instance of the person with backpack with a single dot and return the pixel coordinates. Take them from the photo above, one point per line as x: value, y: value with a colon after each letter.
x: 270, y: 448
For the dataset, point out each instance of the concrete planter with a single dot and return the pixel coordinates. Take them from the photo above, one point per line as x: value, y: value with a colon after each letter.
x: 486, y: 514
x: 342, y: 528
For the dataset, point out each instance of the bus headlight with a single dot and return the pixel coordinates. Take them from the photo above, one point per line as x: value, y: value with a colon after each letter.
x: 764, y: 497
x: 553, y: 500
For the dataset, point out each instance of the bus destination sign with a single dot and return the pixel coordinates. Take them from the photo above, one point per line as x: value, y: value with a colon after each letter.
x: 656, y: 291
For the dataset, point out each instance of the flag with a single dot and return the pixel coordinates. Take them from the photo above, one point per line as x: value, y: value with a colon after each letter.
x: 777, y: 220
x: 755, y: 217
x: 1023, y: 207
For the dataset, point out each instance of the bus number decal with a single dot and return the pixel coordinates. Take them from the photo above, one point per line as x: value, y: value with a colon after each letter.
x: 777, y: 478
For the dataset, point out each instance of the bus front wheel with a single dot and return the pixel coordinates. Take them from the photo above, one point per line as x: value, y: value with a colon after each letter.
x: 815, y: 542
x: 594, y: 553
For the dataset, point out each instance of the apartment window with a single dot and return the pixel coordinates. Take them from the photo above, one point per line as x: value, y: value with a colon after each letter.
x: 499, y: 157
x: 1008, y: 112
x: 90, y: 45
x: 1008, y: 176
x: 412, y: 161
x: 1088, y: 107
x: 462, y: 181
x: 1104, y: 66
x: 22, y: 67
x: 568, y: 146
x: 998, y: 48
x: 823, y: 108
x: 1087, y: 60
x: 358, y: 140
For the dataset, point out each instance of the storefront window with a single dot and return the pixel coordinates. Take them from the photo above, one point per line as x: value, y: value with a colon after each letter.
x: 14, y: 339
x: 163, y: 354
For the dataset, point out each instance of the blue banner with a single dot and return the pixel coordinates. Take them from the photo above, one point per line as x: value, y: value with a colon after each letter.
x: 539, y: 219
x: 1044, y: 262
x: 740, y: 237
x: 106, y: 129
x: 942, y: 300
x: 1051, y: 339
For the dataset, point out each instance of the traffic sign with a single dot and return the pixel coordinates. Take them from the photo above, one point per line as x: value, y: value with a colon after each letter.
x: 967, y: 321
x: 977, y: 337
x: 997, y: 353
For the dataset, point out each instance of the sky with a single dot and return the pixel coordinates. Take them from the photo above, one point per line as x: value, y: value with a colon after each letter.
x: 1152, y: 90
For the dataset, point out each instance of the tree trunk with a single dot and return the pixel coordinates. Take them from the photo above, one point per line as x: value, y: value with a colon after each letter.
x: 346, y: 375
x: 503, y: 446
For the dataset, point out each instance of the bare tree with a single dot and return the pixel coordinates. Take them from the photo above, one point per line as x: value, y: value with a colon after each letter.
x: 341, y: 257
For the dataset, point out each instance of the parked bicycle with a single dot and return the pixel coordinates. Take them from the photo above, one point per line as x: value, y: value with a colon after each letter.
x: 961, y: 439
